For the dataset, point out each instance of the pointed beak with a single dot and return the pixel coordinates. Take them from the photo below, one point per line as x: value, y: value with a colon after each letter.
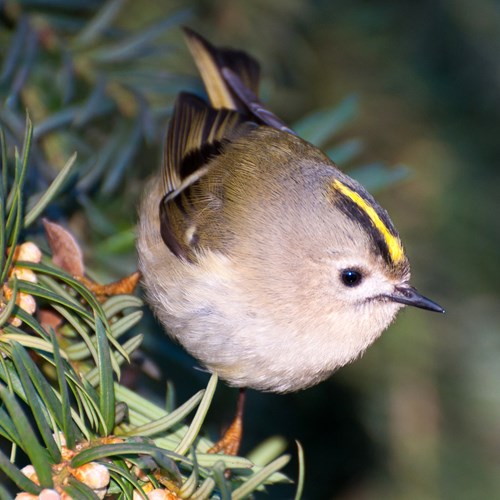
x: 406, y: 294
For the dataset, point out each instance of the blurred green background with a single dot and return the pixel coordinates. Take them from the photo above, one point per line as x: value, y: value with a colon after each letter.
x: 418, y: 416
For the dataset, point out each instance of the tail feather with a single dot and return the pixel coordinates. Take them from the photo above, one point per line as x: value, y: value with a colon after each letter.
x: 211, y: 62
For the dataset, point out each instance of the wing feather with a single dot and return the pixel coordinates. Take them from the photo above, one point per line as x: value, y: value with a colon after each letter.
x: 196, y: 135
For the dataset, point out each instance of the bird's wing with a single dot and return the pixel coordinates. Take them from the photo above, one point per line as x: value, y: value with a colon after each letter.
x: 196, y: 135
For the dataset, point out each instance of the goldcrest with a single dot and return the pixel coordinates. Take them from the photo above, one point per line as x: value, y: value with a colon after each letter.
x: 266, y: 262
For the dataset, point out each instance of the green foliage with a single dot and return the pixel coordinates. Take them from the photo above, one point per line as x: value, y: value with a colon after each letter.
x: 89, y: 85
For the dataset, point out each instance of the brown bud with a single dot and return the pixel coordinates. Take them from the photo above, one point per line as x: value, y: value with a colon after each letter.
x: 28, y: 251
x: 26, y: 496
x: 48, y: 494
x: 94, y: 475
x: 26, y: 302
x: 146, y: 488
x: 159, y: 494
x: 30, y: 472
x: 24, y: 274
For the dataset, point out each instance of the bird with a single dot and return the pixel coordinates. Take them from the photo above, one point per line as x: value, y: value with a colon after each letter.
x: 265, y: 261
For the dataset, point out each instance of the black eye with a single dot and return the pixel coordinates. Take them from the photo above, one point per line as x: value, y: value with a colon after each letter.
x: 351, y: 277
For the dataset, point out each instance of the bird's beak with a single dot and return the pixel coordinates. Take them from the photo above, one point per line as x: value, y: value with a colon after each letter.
x: 406, y: 294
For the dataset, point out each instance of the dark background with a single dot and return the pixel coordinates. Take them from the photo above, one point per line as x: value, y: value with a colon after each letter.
x: 418, y: 415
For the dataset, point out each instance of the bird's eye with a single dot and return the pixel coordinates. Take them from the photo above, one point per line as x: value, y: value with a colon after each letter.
x: 351, y: 277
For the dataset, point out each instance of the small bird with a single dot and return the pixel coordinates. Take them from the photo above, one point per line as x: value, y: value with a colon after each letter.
x: 266, y: 262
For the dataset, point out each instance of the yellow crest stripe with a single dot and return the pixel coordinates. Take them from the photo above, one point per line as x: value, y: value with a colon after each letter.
x: 396, y: 251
